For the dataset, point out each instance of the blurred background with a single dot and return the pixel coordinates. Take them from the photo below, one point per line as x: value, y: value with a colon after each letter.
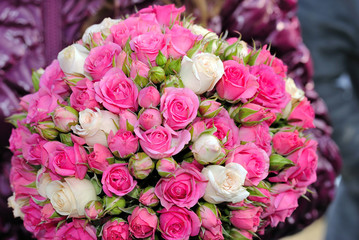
x: 34, y: 31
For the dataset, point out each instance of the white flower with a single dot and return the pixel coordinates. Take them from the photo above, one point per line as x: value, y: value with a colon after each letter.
x: 103, y: 27
x: 16, y: 205
x: 199, y: 30
x: 296, y: 94
x: 225, y: 184
x: 93, y: 126
x: 72, y: 59
x: 69, y: 198
x: 207, y: 149
x: 42, y: 180
x: 202, y: 72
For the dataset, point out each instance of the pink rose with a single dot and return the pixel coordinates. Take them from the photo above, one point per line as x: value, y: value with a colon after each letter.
x: 286, y: 142
x: 149, y: 97
x: 138, y: 68
x: 271, y: 91
x: 209, y: 108
x: 65, y: 160
x: 178, y: 223
x: 180, y: 41
x: 237, y: 83
x: 116, y: 92
x: 246, y: 219
x: 252, y: 114
x: 160, y: 142
x: 77, y: 229
x: 283, y: 201
x: 165, y: 15
x: 121, y: 31
x: 64, y: 118
x: 128, y: 120
x: 179, y: 107
x: 183, y: 189
x: 32, y: 148
x: 265, y: 57
x: 304, y: 171
x: 98, y: 158
x: 17, y: 139
x: 83, y: 96
x: 140, y: 165
x: 147, y: 46
x: 116, y: 179
x: 253, y: 159
x: 115, y: 229
x: 258, y: 134
x: 262, y: 199
x: 53, y: 80
x: 302, y: 115
x: 123, y: 143
x: 32, y: 216
x: 48, y: 214
x: 143, y: 223
x: 150, y: 118
x: 100, y: 60
x: 211, y: 227
x: 148, y: 197
x: 166, y: 167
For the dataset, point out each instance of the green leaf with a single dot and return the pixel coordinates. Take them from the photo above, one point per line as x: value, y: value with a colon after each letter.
x: 278, y: 162
x: 13, y: 119
x: 35, y: 77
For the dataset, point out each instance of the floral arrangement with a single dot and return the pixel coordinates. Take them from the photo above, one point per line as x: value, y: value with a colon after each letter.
x: 152, y: 127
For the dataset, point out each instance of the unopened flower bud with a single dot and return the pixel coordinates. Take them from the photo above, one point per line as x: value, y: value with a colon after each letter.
x: 209, y: 108
x: 157, y: 75
x: 148, y: 197
x: 172, y: 81
x: 140, y: 165
x: 161, y: 59
x: 207, y: 149
x: 166, y: 166
x: 94, y: 210
x: 150, y: 118
x: 173, y: 67
x: 128, y: 120
x: 64, y: 118
x: 114, y: 205
x: 149, y: 97
x: 47, y: 130
x: 251, y: 114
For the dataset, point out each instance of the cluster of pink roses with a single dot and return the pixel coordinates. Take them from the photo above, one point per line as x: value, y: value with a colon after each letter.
x: 151, y: 127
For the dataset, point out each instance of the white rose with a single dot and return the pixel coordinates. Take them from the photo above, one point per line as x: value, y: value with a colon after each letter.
x: 199, y: 30
x: 296, y: 94
x: 69, y: 198
x: 72, y: 59
x: 103, y: 27
x: 42, y: 180
x: 202, y: 72
x: 225, y: 184
x: 16, y: 205
x: 207, y: 149
x: 93, y: 126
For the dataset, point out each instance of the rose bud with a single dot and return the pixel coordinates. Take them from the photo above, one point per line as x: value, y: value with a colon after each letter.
x: 100, y: 158
x: 240, y: 234
x: 161, y: 59
x: 173, y: 67
x: 123, y: 143
x: 140, y: 165
x: 128, y: 120
x: 94, y: 210
x: 72, y: 59
x: 64, y: 118
x: 238, y: 49
x: 47, y: 130
x: 48, y: 214
x: 211, y: 224
x: 166, y: 166
x: 148, y: 197
x: 150, y: 118
x: 172, y: 81
x: 246, y: 219
x: 114, y: 205
x: 209, y: 108
x: 115, y: 228
x: 157, y: 75
x: 251, y: 114
x: 149, y: 97
x: 207, y: 149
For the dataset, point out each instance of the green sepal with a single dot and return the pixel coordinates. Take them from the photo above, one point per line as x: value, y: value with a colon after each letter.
x: 65, y: 138
x: 254, y: 191
x: 97, y: 185
x: 13, y: 119
x: 35, y: 77
x: 278, y: 163
x: 194, y: 49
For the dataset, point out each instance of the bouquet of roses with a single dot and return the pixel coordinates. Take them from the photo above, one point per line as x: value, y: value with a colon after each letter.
x: 154, y: 127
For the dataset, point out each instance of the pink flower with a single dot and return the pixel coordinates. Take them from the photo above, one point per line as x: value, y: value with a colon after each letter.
x: 53, y: 80
x: 253, y: 159
x: 98, y: 158
x: 83, y: 96
x: 302, y: 115
x: 271, y: 91
x: 237, y: 83
x: 148, y: 197
x: 286, y: 142
x: 246, y: 219
x: 78, y: 229
x: 116, y: 92
x: 262, y: 199
x: 116, y: 179
x: 64, y: 118
x: 17, y: 139
x: 160, y: 142
x: 138, y: 68
x: 252, y: 114
x: 258, y: 134
x: 265, y: 57
x: 149, y: 97
x: 128, y: 120
x: 143, y: 223
x: 32, y: 216
x: 115, y: 229
x: 121, y: 31
x: 166, y: 167
x: 178, y: 223
x: 147, y: 46
x: 165, y: 15
x: 32, y: 148
x: 183, y: 189
x: 211, y: 227
x: 150, y: 118
x: 100, y: 60
x: 64, y: 160
x: 180, y: 41
x: 304, y: 172
x: 140, y: 165
x: 179, y: 107
x: 123, y: 143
